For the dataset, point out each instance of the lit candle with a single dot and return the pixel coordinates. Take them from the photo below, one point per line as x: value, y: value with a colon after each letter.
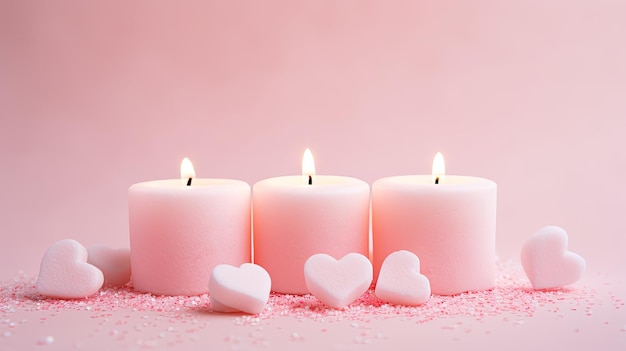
x: 180, y: 229
x: 296, y: 217
x: 449, y: 222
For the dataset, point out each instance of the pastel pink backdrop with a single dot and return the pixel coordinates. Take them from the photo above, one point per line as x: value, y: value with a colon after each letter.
x: 98, y: 95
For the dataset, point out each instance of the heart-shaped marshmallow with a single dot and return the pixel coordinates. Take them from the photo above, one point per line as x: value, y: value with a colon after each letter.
x: 65, y: 273
x: 114, y: 264
x: 245, y: 288
x: 400, y: 282
x: 547, y: 262
x: 337, y: 283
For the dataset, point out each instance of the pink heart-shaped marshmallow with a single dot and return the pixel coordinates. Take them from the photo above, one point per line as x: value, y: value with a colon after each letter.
x: 65, y: 273
x: 547, y: 262
x: 337, y: 283
x: 245, y: 288
x: 114, y: 264
x: 400, y: 282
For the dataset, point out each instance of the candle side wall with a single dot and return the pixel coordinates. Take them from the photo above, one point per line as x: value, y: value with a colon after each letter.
x: 178, y: 234
x: 293, y: 223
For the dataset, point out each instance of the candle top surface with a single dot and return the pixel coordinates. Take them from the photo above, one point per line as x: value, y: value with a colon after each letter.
x: 317, y: 180
x: 445, y: 182
x: 197, y: 184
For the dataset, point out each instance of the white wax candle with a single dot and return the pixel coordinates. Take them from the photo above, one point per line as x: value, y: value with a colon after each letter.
x: 180, y: 232
x: 450, y: 226
x: 294, y: 220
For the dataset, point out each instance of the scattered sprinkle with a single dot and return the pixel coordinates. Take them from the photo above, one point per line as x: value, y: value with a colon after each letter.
x: 512, y: 300
x: 48, y: 340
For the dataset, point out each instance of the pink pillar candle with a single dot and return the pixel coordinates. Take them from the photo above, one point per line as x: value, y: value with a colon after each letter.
x: 294, y: 220
x: 450, y: 226
x: 180, y: 232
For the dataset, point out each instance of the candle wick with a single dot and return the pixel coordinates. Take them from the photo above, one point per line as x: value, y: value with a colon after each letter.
x: 189, y: 182
x: 437, y: 180
x: 310, y: 180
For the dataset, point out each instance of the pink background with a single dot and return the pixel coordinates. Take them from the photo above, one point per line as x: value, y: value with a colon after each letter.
x: 97, y: 96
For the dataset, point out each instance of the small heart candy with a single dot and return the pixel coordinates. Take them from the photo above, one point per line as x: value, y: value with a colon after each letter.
x: 65, y: 273
x: 547, y: 262
x: 245, y: 288
x: 114, y: 264
x: 338, y: 283
x: 400, y: 282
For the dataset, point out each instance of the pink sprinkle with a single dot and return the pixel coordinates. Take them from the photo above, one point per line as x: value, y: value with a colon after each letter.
x: 48, y: 340
x: 512, y: 299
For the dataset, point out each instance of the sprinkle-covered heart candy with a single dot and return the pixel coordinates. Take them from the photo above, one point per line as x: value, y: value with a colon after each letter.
x: 547, y: 262
x: 65, y: 273
x: 337, y: 283
x: 400, y: 282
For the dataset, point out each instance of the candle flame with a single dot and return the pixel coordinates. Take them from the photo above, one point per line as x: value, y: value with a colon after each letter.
x: 308, y: 164
x: 186, y: 170
x: 439, y: 168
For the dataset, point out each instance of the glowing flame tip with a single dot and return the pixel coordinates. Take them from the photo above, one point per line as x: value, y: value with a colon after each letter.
x: 439, y: 168
x: 308, y: 164
x: 186, y: 169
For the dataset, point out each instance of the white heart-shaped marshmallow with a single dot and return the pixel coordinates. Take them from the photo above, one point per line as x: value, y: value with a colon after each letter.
x: 400, y: 282
x: 547, y: 262
x: 337, y: 283
x: 65, y: 273
x: 245, y: 288
x: 114, y: 264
